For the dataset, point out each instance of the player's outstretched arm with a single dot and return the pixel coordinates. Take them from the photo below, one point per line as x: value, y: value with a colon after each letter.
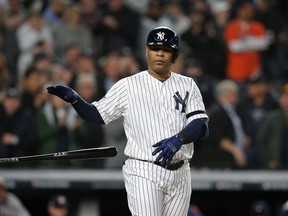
x: 196, y: 129
x: 86, y: 110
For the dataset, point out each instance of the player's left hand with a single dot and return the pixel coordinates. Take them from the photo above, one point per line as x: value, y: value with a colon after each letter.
x: 64, y: 92
x: 167, y: 148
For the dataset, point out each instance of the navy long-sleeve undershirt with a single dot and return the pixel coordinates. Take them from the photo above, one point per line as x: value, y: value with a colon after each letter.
x: 87, y: 111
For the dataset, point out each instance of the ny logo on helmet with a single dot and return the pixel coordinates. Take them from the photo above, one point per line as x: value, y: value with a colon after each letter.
x: 160, y: 35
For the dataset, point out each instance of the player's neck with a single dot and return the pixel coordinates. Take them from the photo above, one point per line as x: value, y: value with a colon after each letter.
x: 160, y: 76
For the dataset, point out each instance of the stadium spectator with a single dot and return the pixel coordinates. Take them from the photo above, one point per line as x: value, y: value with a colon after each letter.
x: 227, y: 138
x: 60, y: 74
x: 116, y: 65
x: 17, y: 137
x: 200, y: 41
x: 196, y: 69
x: 14, y: 12
x: 120, y: 25
x: 253, y: 109
x: 70, y: 58
x: 113, y: 68
x: 52, y: 124
x: 139, y: 5
x: 275, y: 25
x: 86, y: 64
x: 72, y: 31
x: 30, y: 34
x: 42, y: 62
x: 245, y: 39
x: 53, y: 13
x: 175, y: 14
x: 10, y: 204
x: 206, y: 83
x: 5, y: 75
x: 220, y: 12
x: 9, y: 47
x: 272, y: 137
x: 128, y: 63
x: 91, y: 16
x: 86, y: 134
x: 58, y: 205
x: 31, y: 86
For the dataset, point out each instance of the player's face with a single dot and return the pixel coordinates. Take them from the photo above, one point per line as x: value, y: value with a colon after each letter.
x: 159, y: 61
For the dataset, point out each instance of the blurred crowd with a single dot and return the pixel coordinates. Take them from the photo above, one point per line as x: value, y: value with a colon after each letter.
x: 236, y: 51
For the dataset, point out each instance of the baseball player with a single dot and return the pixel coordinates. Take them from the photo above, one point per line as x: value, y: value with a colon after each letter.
x: 163, y: 115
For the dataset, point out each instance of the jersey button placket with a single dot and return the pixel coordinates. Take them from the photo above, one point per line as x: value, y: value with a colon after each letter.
x: 164, y: 109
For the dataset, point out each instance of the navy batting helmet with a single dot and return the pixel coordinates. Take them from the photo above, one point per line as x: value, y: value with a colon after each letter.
x: 164, y: 36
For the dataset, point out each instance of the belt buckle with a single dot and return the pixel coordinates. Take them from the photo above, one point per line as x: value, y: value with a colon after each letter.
x: 175, y: 166
x: 172, y: 167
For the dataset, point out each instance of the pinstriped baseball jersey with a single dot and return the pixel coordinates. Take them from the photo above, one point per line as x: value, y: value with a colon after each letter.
x: 152, y: 111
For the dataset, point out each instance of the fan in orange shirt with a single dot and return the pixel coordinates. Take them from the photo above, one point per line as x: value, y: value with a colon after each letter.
x: 245, y: 39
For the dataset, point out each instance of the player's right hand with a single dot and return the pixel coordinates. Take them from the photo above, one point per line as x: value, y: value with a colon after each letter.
x: 64, y: 92
x: 167, y: 148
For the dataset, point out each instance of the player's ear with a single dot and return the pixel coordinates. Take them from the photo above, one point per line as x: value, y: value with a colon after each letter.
x: 147, y: 50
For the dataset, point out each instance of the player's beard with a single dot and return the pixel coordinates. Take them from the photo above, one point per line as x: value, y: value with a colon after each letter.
x: 160, y: 69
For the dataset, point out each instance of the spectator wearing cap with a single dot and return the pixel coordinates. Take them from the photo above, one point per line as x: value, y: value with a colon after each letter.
x: 58, y: 205
x: 272, y: 137
x: 42, y: 61
x: 245, y: 39
x: 253, y: 110
x: 16, y: 129
x: 10, y: 204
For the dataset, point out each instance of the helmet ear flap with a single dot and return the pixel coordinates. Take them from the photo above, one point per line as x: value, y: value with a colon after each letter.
x: 175, y: 55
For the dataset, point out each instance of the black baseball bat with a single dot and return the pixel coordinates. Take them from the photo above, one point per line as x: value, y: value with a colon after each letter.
x: 80, y: 154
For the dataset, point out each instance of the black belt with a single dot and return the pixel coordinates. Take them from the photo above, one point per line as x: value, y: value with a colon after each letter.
x: 173, y: 166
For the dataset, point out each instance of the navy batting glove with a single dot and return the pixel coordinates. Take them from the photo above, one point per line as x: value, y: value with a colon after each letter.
x: 64, y: 92
x: 167, y: 148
